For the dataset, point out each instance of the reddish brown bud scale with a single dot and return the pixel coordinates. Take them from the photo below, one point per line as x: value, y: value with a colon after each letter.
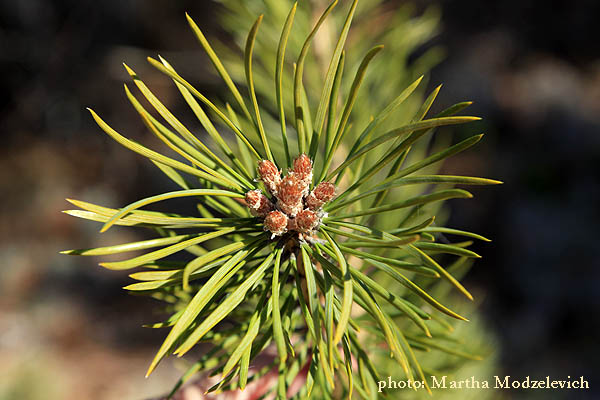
x: 306, y: 221
x: 323, y: 193
x: 276, y: 222
x: 289, y: 197
x: 292, y: 224
x: 258, y: 203
x: 270, y: 175
x: 253, y: 199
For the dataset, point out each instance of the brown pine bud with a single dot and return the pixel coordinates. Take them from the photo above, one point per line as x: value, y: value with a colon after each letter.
x: 303, y: 169
x: 323, y: 193
x: 270, y: 175
x: 289, y: 197
x: 306, y: 221
x: 258, y: 203
x: 276, y: 222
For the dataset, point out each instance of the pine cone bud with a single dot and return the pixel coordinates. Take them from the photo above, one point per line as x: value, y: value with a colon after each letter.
x: 270, y: 175
x: 306, y: 221
x: 276, y: 222
x: 289, y: 197
x: 323, y: 193
x: 258, y: 203
x: 303, y: 169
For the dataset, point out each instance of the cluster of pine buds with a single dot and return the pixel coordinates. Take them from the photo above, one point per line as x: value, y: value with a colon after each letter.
x: 292, y: 207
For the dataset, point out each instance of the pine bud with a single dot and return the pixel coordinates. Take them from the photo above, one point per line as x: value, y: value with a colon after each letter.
x: 276, y: 222
x: 303, y: 169
x: 270, y: 175
x: 258, y: 203
x: 323, y: 193
x: 306, y: 221
x: 289, y: 197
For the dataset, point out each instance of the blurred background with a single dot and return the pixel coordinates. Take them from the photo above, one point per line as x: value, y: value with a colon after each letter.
x: 67, y: 330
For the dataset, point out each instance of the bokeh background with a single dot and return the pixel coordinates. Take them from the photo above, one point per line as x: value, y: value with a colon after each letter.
x: 67, y: 330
